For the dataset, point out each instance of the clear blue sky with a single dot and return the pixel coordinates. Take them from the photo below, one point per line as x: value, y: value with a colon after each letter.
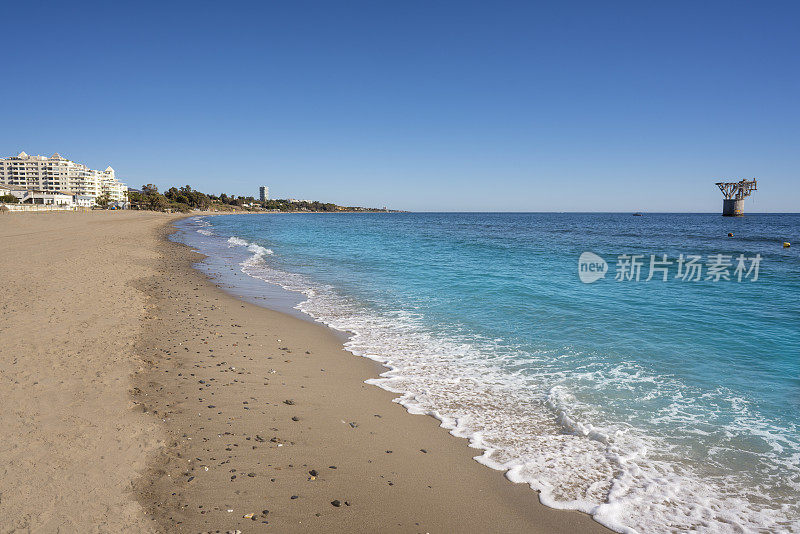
x: 418, y: 105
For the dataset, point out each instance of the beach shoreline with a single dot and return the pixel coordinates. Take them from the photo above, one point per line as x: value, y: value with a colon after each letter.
x: 246, y: 418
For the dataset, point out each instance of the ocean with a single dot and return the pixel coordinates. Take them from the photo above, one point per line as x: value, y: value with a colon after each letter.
x: 654, y: 405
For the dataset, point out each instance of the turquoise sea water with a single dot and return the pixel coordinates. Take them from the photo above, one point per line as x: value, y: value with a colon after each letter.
x: 655, y: 406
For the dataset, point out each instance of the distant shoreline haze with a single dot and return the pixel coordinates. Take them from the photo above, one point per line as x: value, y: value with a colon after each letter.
x: 185, y: 199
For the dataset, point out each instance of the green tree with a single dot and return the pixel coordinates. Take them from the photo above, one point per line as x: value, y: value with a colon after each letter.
x: 103, y: 200
x: 149, y: 190
x: 157, y: 202
x: 136, y: 199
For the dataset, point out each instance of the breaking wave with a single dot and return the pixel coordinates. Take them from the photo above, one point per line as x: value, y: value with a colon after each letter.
x: 541, y: 418
x: 257, y: 250
x: 624, y: 478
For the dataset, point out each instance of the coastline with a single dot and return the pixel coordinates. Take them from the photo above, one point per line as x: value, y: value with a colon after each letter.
x: 210, y: 377
x: 343, y: 422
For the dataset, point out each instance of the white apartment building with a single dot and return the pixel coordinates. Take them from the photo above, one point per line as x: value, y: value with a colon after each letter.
x: 57, y: 173
x: 35, y: 197
x: 43, y: 198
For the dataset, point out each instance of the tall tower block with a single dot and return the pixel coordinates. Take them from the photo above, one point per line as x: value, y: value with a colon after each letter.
x: 733, y: 194
x: 263, y: 193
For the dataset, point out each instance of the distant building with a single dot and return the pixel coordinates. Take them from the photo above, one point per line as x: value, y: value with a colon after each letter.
x: 38, y: 197
x: 43, y: 198
x: 82, y: 201
x: 58, y: 174
x: 263, y: 193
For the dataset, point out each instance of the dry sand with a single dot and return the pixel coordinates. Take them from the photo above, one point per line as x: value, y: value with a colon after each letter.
x: 136, y: 396
x: 69, y: 321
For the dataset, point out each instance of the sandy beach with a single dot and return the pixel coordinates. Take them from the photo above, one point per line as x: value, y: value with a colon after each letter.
x: 138, y: 397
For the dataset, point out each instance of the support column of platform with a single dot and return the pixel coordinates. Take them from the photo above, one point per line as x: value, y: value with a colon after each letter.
x: 732, y: 207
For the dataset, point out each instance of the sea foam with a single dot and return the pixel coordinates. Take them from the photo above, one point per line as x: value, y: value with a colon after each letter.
x: 534, y: 427
x: 257, y: 250
x: 546, y: 440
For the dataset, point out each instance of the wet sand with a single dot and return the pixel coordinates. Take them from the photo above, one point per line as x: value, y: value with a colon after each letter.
x: 156, y: 401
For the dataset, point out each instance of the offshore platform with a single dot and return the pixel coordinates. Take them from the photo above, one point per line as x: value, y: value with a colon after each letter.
x: 734, y: 194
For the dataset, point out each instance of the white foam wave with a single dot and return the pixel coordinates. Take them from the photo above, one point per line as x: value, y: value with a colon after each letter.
x: 627, y: 480
x: 257, y: 250
x: 534, y: 417
x: 203, y: 224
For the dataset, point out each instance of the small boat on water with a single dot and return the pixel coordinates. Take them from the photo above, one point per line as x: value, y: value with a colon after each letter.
x: 637, y: 214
